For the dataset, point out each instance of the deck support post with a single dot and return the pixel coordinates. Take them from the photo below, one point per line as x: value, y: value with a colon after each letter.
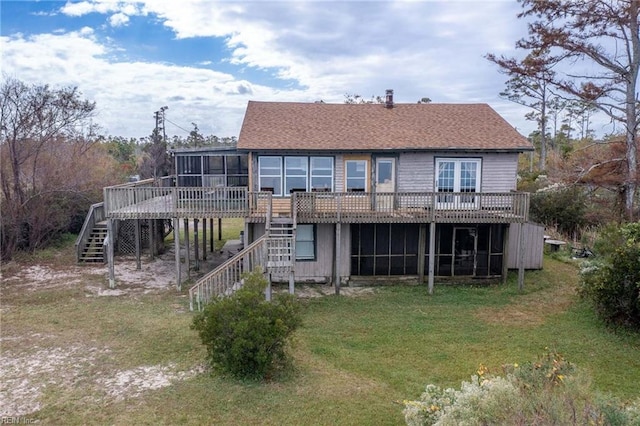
x: 422, y: 241
x: 152, y: 238
x: 212, y: 247
x: 196, y: 243
x: 432, y: 255
x: 176, y: 240
x: 338, y: 259
x: 219, y: 229
x: 204, y: 239
x: 521, y: 250
x: 111, y: 242
x: 505, y: 254
x: 187, y: 253
x: 137, y: 238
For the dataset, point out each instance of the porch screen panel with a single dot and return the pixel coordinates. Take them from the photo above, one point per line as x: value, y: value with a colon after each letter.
x: 237, y: 170
x: 496, y: 254
x: 384, y: 249
x: 482, y: 255
x: 270, y: 171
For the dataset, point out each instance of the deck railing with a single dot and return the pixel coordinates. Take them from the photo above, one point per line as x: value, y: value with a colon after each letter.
x: 95, y: 215
x: 153, y: 202
x: 228, y: 277
x: 410, y: 207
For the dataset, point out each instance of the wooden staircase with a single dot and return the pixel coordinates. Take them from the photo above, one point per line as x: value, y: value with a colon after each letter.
x: 280, y: 245
x: 93, y: 250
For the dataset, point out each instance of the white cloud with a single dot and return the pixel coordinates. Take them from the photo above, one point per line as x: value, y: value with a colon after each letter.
x: 321, y: 50
x: 118, y: 20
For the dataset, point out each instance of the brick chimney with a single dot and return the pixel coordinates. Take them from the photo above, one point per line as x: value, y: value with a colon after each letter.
x: 388, y: 99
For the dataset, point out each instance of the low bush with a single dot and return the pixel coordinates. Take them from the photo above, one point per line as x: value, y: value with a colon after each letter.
x: 611, y: 281
x: 245, y: 335
x: 548, y: 391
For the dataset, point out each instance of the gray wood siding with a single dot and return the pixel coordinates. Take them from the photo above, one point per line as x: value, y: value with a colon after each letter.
x: 415, y: 172
x: 499, y: 172
x: 533, y: 246
x: 321, y: 269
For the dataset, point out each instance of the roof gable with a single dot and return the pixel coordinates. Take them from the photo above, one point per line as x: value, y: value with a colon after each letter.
x: 336, y: 127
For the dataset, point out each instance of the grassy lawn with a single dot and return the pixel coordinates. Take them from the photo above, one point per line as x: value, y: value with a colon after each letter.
x: 356, y: 357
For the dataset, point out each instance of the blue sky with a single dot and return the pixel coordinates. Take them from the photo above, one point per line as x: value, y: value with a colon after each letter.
x: 205, y: 59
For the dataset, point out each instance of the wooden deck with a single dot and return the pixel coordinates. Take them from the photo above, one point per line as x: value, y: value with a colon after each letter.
x: 150, y: 202
x: 411, y: 207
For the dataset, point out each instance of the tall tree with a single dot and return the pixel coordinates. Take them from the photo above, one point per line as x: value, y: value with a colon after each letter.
x: 604, y: 34
x: 49, y: 163
x: 528, y: 85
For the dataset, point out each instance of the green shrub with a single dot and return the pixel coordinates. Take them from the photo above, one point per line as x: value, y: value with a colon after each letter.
x: 549, y: 391
x: 245, y: 335
x: 611, y: 282
x: 559, y: 206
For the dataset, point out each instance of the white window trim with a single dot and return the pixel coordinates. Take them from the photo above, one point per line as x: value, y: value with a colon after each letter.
x: 313, y: 242
x: 346, y: 173
x: 309, y: 172
x: 279, y: 176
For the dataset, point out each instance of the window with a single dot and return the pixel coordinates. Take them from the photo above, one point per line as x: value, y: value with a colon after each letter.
x: 321, y: 173
x: 457, y: 175
x: 295, y: 174
x: 305, y: 242
x: 270, y: 169
x: 284, y: 174
x: 356, y: 175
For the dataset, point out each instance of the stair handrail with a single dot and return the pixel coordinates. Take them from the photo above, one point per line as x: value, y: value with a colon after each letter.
x: 95, y: 215
x: 227, y: 277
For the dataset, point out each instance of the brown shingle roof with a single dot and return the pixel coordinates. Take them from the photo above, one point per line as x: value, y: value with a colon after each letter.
x: 320, y: 126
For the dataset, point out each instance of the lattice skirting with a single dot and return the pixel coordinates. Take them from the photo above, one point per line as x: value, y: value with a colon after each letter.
x: 126, y: 243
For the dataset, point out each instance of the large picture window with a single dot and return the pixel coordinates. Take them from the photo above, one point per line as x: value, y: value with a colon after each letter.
x: 356, y: 175
x: 270, y: 169
x: 300, y: 173
x: 295, y: 174
x: 321, y: 174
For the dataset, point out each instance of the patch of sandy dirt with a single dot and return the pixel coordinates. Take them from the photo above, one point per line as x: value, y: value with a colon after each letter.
x: 30, y: 367
x: 132, y: 383
x: 27, y: 376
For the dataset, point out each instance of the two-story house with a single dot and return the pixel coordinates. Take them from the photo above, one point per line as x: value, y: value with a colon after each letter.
x: 338, y: 193
x: 387, y: 190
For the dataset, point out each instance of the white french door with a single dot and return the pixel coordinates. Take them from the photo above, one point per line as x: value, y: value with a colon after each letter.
x: 460, y: 177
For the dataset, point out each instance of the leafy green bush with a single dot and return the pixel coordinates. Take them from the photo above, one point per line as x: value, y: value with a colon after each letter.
x: 559, y: 206
x: 245, y: 335
x: 611, y: 282
x: 549, y: 391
